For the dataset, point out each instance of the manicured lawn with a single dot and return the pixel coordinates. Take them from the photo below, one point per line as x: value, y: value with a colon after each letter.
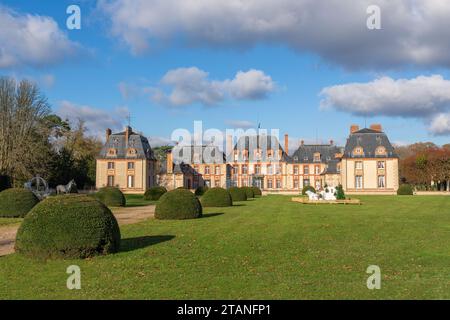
x: 137, y: 200
x: 268, y: 248
x: 10, y: 221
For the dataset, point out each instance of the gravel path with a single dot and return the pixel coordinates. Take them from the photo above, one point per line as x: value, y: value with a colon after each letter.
x: 123, y: 215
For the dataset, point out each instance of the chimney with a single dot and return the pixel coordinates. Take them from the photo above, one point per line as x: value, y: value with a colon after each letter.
x: 286, y: 143
x: 108, y: 134
x: 354, y: 128
x: 376, y: 127
x: 331, y: 142
x: 128, y: 132
x: 169, y: 162
x: 302, y: 142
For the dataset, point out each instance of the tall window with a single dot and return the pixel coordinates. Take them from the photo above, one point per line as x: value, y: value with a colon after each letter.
x: 358, y: 182
x: 295, y: 183
x: 381, y: 181
x: 269, y: 183
x: 306, y: 170
x: 236, y: 170
x: 110, y: 165
x: 130, y: 165
x: 278, y: 184
x: 269, y: 169
x: 244, y: 169
x: 110, y: 181
x: 358, y: 165
x: 217, y: 183
x: 207, y: 170
x: 295, y: 169
x: 380, y: 164
x: 130, y: 181
x: 217, y: 170
x: 306, y: 182
x: 316, y: 169
x: 278, y: 169
x: 257, y: 169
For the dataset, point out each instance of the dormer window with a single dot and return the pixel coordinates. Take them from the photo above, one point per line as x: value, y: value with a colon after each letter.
x: 112, y: 152
x: 358, y: 151
x: 317, y: 157
x: 380, y: 151
x: 132, y: 152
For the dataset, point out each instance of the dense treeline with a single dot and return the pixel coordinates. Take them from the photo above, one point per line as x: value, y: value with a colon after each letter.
x: 33, y: 141
x: 425, y: 165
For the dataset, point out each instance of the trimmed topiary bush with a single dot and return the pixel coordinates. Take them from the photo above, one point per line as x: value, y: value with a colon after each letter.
x: 257, y: 191
x: 217, y: 197
x: 249, y: 192
x: 340, y: 195
x: 154, y: 193
x: 178, y: 204
x: 111, y: 197
x: 405, y: 190
x: 201, y: 191
x: 238, y: 194
x: 308, y: 188
x: 68, y: 227
x: 16, y: 203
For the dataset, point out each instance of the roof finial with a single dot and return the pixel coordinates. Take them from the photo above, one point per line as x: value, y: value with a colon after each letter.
x: 128, y: 118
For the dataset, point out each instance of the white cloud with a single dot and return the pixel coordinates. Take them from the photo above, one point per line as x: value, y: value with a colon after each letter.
x: 413, y: 32
x: 156, y: 141
x: 96, y: 120
x: 424, y: 97
x: 31, y: 40
x: 186, y: 86
x: 440, y: 125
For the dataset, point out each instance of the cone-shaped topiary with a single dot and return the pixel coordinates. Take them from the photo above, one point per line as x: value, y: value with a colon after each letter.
x: 308, y: 188
x: 340, y: 195
x: 154, y: 193
x: 178, y: 204
x: 257, y: 191
x: 111, y: 197
x: 217, y: 197
x: 238, y: 194
x: 405, y: 190
x: 249, y: 192
x: 201, y: 191
x: 68, y: 226
x: 15, y: 203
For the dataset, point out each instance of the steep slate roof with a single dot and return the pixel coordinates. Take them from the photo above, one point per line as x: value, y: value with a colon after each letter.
x: 369, y: 140
x: 198, y: 153
x: 331, y: 167
x: 136, y: 141
x: 260, y: 141
x: 305, y: 153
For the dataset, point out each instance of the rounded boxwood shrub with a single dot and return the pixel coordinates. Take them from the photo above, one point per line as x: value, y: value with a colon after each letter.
x: 178, y: 204
x: 405, y: 190
x: 5, y: 182
x: 201, y: 191
x: 257, y: 191
x: 249, y: 192
x: 154, y: 193
x: 308, y: 188
x: 217, y: 197
x: 111, y: 197
x: 238, y: 194
x: 16, y: 203
x: 68, y: 226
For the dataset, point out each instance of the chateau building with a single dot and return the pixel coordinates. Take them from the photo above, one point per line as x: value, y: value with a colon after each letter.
x: 366, y: 164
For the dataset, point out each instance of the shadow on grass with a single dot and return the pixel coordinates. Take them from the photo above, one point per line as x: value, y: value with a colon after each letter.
x: 210, y: 215
x: 239, y: 205
x: 131, y: 244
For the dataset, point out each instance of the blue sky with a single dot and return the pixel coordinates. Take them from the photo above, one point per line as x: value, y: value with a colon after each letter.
x: 98, y: 72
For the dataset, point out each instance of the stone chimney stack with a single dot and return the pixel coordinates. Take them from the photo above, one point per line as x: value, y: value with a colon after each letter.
x: 354, y: 128
x: 376, y: 127
x: 128, y: 132
x: 108, y: 134
x: 286, y: 144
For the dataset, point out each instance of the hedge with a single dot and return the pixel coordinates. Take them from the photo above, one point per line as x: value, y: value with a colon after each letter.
x: 16, y: 203
x: 111, y: 197
x: 238, y: 194
x: 201, y: 191
x: 405, y: 190
x: 68, y: 227
x: 308, y: 188
x: 154, y: 193
x: 249, y: 192
x: 217, y: 197
x: 178, y: 204
x: 257, y: 191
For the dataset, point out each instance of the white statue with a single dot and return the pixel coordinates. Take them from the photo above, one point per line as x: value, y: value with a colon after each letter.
x: 329, y: 194
x: 312, y: 196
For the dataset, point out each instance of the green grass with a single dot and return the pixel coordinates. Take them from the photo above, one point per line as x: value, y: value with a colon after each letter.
x: 10, y: 221
x: 267, y: 248
x: 137, y: 200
